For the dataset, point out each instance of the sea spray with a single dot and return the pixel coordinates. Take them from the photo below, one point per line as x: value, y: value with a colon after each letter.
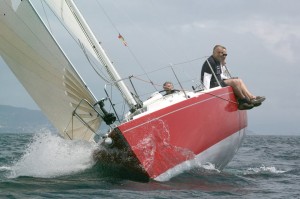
x: 48, y: 155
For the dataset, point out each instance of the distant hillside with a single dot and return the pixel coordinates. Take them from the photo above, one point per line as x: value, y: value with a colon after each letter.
x: 22, y: 120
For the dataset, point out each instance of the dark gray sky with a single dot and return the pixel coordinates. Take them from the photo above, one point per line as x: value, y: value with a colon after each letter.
x: 261, y: 37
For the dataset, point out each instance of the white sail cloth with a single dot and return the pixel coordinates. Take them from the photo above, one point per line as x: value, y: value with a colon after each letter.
x: 40, y: 65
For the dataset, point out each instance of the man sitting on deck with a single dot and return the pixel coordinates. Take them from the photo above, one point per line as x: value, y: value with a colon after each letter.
x: 211, y: 76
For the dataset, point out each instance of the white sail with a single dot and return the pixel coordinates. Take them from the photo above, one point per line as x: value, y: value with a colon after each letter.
x: 40, y: 65
x: 63, y: 12
x: 68, y: 13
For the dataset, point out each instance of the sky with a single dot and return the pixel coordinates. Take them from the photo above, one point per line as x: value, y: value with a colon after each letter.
x: 261, y: 36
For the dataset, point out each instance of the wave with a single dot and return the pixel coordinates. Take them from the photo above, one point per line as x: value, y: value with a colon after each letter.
x: 264, y: 170
x: 48, y: 155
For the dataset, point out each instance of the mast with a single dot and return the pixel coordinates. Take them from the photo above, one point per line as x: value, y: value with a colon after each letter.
x: 102, y: 56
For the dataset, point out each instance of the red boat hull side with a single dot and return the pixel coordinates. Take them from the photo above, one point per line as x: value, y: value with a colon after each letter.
x: 166, y: 138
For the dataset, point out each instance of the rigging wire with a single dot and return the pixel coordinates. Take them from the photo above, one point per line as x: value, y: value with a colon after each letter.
x: 46, y: 16
x: 92, y: 65
x: 179, y: 64
x: 175, y: 65
x: 128, y: 47
x: 145, y: 73
x: 162, y: 12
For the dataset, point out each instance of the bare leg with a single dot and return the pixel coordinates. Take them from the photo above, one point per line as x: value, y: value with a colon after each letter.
x: 236, y: 86
x: 245, y: 90
x: 239, y: 88
x: 245, y: 98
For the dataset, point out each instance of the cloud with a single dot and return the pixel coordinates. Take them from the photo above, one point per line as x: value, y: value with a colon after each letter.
x: 281, y: 36
x: 281, y: 39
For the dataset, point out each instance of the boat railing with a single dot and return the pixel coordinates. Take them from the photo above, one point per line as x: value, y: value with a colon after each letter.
x: 185, y: 76
x: 81, y: 118
x: 174, y: 70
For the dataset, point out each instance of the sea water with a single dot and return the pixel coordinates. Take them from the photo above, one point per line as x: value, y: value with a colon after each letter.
x: 42, y: 165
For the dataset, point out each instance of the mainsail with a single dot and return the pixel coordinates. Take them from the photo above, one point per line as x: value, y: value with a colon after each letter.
x: 37, y: 61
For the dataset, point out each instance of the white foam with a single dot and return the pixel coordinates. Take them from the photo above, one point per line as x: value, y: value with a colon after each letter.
x: 5, y: 168
x: 264, y: 169
x: 186, y: 166
x: 211, y: 167
x: 48, y: 156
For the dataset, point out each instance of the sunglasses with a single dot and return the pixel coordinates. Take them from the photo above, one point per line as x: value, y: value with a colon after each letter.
x: 224, y: 55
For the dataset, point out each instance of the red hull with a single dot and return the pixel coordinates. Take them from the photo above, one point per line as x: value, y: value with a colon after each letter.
x: 165, y: 138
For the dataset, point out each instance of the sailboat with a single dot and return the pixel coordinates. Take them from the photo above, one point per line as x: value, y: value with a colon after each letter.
x: 156, y: 139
